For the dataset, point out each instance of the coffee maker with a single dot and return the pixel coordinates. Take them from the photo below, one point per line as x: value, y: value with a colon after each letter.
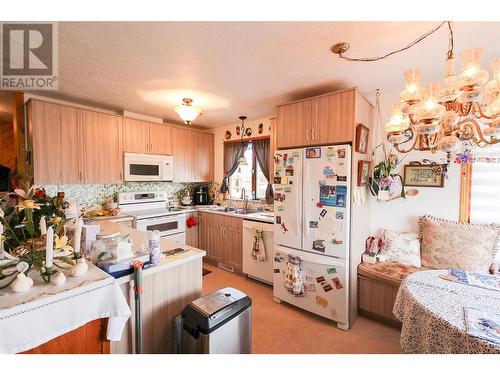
x: 201, y: 196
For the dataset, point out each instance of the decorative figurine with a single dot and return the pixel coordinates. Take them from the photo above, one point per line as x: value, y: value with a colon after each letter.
x: 80, y: 268
x: 59, y: 279
x: 22, y: 283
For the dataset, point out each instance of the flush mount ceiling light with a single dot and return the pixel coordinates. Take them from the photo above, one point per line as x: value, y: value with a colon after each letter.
x: 186, y: 111
x: 447, y: 117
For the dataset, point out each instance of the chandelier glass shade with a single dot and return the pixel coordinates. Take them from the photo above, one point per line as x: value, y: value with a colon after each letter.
x: 465, y: 108
x: 187, y: 112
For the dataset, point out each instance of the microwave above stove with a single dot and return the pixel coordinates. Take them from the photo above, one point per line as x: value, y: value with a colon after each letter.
x: 147, y: 167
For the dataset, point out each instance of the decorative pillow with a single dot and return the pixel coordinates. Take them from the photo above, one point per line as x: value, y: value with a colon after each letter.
x: 450, y: 244
x: 403, y: 247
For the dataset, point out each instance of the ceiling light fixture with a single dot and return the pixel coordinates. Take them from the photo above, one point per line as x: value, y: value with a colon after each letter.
x: 243, y: 159
x: 186, y: 111
x: 448, y: 117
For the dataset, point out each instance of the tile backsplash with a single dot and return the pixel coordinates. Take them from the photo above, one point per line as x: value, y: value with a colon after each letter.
x: 93, y: 195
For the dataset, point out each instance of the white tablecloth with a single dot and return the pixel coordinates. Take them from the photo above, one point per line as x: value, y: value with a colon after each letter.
x: 30, y: 319
x: 432, y: 312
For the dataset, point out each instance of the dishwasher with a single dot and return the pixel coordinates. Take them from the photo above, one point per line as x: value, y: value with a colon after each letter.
x: 258, y: 269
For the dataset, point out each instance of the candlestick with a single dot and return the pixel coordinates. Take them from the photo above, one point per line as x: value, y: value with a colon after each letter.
x: 77, y: 237
x: 43, y: 226
x: 49, y: 251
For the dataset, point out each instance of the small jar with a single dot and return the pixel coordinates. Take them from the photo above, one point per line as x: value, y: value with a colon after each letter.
x: 104, y: 245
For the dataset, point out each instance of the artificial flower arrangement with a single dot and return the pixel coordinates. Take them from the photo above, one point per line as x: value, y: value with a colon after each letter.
x: 32, y: 236
x: 385, y: 183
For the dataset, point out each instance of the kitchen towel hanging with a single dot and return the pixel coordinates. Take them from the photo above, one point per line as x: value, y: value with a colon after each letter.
x: 258, y: 249
x: 293, y: 276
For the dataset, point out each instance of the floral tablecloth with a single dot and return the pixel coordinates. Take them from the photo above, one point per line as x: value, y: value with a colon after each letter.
x: 30, y: 319
x: 432, y: 313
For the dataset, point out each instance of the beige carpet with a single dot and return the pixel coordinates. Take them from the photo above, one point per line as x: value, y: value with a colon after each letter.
x: 282, y: 328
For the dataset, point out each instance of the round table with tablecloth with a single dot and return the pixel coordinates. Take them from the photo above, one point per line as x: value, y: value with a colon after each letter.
x: 432, y: 314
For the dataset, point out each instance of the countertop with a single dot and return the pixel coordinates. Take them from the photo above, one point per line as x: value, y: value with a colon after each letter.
x: 265, y: 216
x: 138, y: 238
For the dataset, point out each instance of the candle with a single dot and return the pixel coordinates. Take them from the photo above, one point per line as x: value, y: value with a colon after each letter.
x: 1, y: 241
x: 49, y: 252
x: 43, y: 226
x: 78, y: 235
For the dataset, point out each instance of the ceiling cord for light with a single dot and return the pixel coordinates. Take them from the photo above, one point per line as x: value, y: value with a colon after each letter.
x: 342, y: 47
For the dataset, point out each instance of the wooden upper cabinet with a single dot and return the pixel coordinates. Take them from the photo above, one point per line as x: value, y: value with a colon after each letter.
x: 160, y: 139
x: 333, y: 118
x: 294, y: 124
x: 135, y: 136
x: 204, y: 157
x: 101, y: 147
x: 183, y: 151
x: 56, y: 147
x: 320, y: 120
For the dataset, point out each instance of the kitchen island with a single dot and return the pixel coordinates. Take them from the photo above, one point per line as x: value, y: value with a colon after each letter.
x: 167, y: 288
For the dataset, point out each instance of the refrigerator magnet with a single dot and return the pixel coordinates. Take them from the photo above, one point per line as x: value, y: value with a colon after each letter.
x: 341, y: 153
x: 278, y: 219
x: 308, y: 287
x: 280, y: 208
x: 284, y: 227
x: 277, y: 259
x: 289, y: 170
x: 327, y: 171
x: 323, y: 213
x: 318, y: 245
x: 295, y: 154
x: 284, y: 180
x: 313, y: 224
x: 330, y: 151
x: 276, y: 270
x: 277, y: 180
x: 339, y: 215
x: 331, y: 270
x: 337, y: 242
x: 288, y: 189
x: 290, y: 160
x: 323, y: 302
x: 342, y: 178
x: 327, y: 288
x: 337, y: 283
x: 320, y: 279
x: 319, y: 205
x: 313, y: 152
x: 279, y: 197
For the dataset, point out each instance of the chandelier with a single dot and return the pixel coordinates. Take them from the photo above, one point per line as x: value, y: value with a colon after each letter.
x: 465, y: 109
x: 186, y: 111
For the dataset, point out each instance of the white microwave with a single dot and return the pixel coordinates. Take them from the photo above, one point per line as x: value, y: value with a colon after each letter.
x: 146, y: 167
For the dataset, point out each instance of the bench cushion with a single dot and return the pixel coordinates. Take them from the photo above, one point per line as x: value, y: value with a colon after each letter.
x: 388, y: 272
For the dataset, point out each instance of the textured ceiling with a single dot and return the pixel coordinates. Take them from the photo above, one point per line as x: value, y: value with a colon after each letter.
x: 233, y: 68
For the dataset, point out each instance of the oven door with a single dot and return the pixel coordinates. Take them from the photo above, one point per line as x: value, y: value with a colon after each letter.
x: 166, y: 225
x: 142, y: 168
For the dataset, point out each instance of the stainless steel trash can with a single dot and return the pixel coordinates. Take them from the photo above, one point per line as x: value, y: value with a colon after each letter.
x: 218, y: 323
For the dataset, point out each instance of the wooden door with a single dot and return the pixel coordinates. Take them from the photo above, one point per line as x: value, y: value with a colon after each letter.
x: 232, y: 242
x: 184, y: 155
x: 101, y: 148
x: 204, y: 157
x: 135, y: 136
x: 192, y: 234
x: 333, y: 118
x: 294, y: 124
x: 56, y: 145
x: 160, y: 139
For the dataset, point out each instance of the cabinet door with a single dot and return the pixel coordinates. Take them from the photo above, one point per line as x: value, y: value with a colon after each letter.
x: 294, y: 124
x: 333, y: 118
x: 192, y: 234
x: 135, y: 136
x: 204, y: 157
x: 160, y: 139
x: 232, y: 242
x: 215, y: 241
x: 184, y: 155
x: 101, y: 148
x: 56, y: 147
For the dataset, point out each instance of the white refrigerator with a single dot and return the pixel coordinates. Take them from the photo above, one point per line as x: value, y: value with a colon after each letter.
x: 312, y: 207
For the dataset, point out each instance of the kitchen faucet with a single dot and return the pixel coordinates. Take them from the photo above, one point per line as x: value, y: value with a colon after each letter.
x: 245, y: 200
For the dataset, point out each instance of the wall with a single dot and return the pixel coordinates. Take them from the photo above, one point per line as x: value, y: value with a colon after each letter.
x: 93, y: 195
x: 402, y: 214
x: 219, y: 133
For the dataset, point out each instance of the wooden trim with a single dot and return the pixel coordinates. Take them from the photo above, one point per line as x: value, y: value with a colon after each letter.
x: 320, y: 96
x: 248, y: 139
x: 465, y: 192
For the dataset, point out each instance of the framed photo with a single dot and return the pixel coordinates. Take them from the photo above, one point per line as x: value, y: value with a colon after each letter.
x: 313, y: 152
x: 363, y: 172
x: 361, y: 144
x: 422, y: 175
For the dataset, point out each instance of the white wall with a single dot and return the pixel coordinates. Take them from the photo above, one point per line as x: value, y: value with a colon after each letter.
x: 403, y: 214
x: 219, y: 133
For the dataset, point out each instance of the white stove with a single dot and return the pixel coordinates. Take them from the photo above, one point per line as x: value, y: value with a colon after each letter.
x: 151, y: 213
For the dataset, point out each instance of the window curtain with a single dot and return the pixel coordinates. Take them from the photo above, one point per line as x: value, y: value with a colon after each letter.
x: 262, y: 152
x: 233, y: 152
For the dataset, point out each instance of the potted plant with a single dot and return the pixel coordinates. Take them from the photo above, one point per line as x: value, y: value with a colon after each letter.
x: 386, y: 183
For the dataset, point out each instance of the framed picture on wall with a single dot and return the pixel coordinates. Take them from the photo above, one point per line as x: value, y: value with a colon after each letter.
x: 363, y: 172
x: 422, y: 175
x: 361, y: 144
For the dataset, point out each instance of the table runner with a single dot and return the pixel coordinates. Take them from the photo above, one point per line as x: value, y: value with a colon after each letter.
x: 432, y: 314
x: 30, y: 319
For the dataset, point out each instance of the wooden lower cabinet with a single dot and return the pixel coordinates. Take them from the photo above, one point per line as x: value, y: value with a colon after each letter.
x: 87, y: 339
x: 193, y: 233
x: 221, y: 238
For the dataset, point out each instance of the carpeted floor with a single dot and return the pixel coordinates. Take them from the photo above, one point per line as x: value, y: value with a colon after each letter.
x: 282, y: 328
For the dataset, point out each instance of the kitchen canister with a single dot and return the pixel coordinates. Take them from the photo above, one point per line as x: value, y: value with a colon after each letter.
x: 154, y: 246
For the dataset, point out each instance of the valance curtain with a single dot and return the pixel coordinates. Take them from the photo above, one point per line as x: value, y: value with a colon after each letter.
x: 233, y: 152
x: 262, y: 152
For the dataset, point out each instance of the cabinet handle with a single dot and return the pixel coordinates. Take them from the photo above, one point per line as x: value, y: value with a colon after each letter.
x: 313, y: 134
x: 121, y: 176
x: 147, y: 147
x: 225, y: 232
x: 80, y: 174
x: 220, y: 231
x: 307, y: 134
